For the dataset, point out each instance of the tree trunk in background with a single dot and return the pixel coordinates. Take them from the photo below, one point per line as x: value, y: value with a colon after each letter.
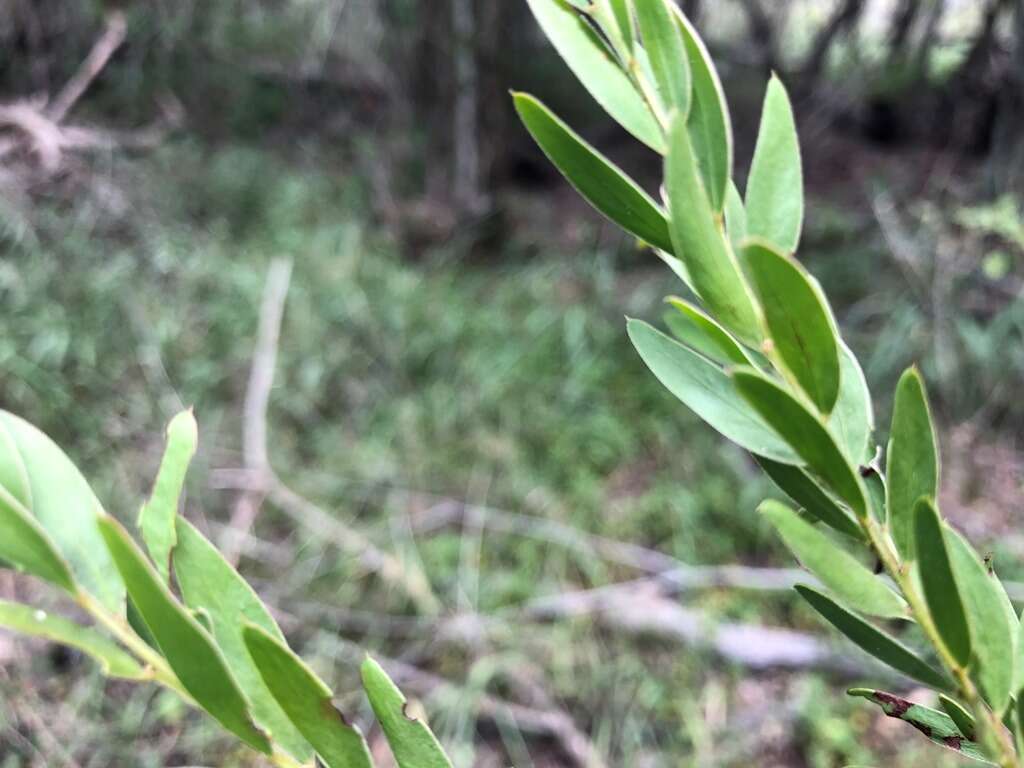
x: 1008, y: 141
x: 468, y: 194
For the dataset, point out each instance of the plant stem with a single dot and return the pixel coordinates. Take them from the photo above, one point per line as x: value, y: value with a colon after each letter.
x: 120, y: 629
x: 993, y: 735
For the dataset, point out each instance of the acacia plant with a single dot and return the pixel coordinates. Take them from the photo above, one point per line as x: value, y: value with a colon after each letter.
x: 758, y: 355
x: 182, y: 617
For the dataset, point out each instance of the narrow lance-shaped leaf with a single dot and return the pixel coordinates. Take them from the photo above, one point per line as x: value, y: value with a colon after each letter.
x: 806, y: 435
x: 65, y: 507
x: 963, y: 719
x: 696, y: 329
x: 600, y: 182
x: 938, y: 727
x: 25, y: 545
x: 191, y: 652
x: 587, y: 57
x: 837, y: 569
x: 800, y: 325
x: 852, y: 420
x: 802, y: 489
x: 735, y: 217
x: 706, y: 390
x: 623, y: 14
x: 156, y: 518
x: 992, y: 633
x: 307, y: 701
x: 709, y: 124
x: 874, y: 641
x: 210, y: 585
x: 411, y: 741
x: 775, y: 187
x: 912, y: 463
x: 701, y: 245
x: 941, y: 591
x: 666, y: 49
x: 27, y: 620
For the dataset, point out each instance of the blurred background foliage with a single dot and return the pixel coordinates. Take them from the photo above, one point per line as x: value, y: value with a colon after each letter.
x: 454, y: 379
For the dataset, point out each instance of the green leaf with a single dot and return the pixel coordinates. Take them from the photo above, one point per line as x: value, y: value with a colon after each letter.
x: 25, y: 545
x: 836, y: 568
x: 706, y: 390
x: 805, y: 433
x: 600, y: 182
x: 587, y: 57
x: 938, y: 727
x: 800, y: 325
x: 874, y: 641
x: 114, y: 661
x: 992, y: 634
x: 852, y: 420
x: 775, y: 187
x: 802, y: 489
x: 13, y: 475
x: 700, y: 244
x: 709, y: 124
x: 663, y: 41
x: 411, y: 741
x: 940, y: 588
x: 874, y: 483
x: 963, y: 719
x: 696, y: 329
x: 735, y: 217
x: 65, y: 507
x: 912, y: 462
x: 156, y: 518
x: 306, y: 700
x: 188, y: 648
x: 209, y: 584
x: 623, y: 15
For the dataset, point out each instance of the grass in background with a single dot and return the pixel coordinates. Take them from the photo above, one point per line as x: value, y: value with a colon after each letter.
x: 398, y: 385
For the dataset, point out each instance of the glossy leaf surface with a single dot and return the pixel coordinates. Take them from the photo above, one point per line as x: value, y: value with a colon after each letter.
x: 802, y: 489
x: 209, y: 584
x: 836, y: 568
x: 587, y: 57
x: 775, y: 187
x: 599, y: 181
x: 799, y: 322
x: 306, y: 700
x: 663, y: 41
x: 188, y: 648
x: 697, y: 330
x: 941, y: 591
x: 708, y: 123
x: 805, y: 433
x: 65, y: 507
x: 912, y: 461
x: 874, y: 641
x: 993, y: 639
x: 698, y: 241
x: 26, y: 545
x: 706, y: 390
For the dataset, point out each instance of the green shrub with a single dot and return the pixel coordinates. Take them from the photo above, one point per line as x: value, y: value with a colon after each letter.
x: 760, y: 358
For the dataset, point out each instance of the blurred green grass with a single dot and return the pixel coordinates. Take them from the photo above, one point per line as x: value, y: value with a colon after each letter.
x: 508, y: 383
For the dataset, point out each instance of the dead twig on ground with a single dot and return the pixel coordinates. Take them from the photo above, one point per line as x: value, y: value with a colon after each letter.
x: 259, y: 481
